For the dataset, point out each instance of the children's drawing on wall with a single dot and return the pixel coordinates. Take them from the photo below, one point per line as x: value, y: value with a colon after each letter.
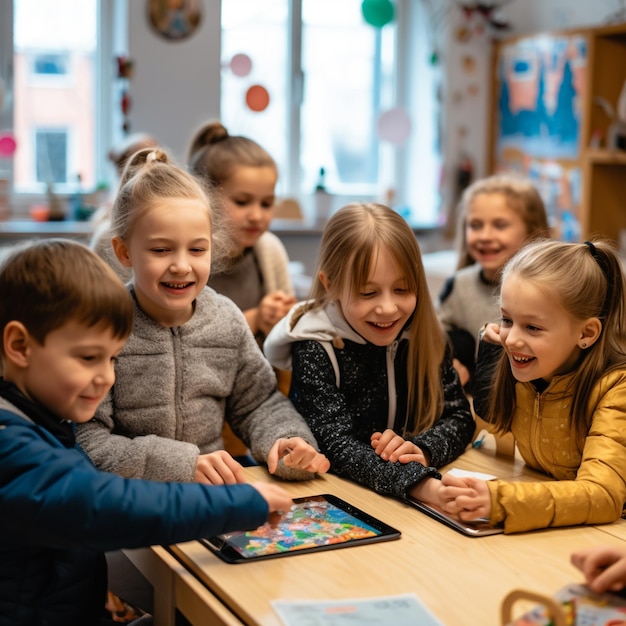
x: 174, y: 19
x: 559, y: 186
x: 540, y: 81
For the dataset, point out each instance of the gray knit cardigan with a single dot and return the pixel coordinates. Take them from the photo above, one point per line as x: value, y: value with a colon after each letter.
x: 175, y: 387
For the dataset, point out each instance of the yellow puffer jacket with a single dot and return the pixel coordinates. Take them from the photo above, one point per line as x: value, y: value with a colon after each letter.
x: 590, y: 486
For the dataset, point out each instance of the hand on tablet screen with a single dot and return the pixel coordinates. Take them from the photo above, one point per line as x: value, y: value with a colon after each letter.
x: 278, y: 500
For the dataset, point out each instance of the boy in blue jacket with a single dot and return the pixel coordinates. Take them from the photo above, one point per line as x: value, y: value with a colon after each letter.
x: 64, y: 317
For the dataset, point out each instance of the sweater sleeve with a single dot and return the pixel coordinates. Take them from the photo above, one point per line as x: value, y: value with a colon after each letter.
x: 147, y: 456
x: 595, y: 496
x: 453, y: 431
x: 316, y: 396
x: 274, y: 264
x: 58, y: 498
x: 260, y: 414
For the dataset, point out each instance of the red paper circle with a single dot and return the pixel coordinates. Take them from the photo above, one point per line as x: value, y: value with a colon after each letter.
x: 257, y: 98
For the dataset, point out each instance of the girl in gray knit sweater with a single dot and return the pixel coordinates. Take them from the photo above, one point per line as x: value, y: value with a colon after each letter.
x: 191, y: 361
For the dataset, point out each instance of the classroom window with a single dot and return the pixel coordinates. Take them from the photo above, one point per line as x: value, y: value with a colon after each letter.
x: 334, y: 76
x: 50, y: 65
x: 330, y: 76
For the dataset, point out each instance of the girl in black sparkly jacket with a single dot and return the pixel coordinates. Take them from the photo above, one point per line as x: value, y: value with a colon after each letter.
x: 370, y: 370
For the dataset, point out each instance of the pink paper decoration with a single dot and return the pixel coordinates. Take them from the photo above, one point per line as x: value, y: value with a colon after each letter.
x: 241, y: 65
x: 7, y: 144
x: 394, y: 126
x: 257, y: 98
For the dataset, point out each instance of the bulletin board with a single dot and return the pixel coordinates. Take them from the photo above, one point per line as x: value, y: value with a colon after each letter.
x: 539, y: 85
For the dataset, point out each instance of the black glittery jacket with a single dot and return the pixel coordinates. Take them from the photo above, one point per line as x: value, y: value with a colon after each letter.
x: 345, y: 394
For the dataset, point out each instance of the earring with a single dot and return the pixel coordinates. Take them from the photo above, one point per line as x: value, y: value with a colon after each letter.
x: 583, y: 345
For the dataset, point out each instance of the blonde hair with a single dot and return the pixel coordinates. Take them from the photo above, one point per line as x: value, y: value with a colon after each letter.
x: 45, y: 284
x: 598, y: 291
x: 350, y: 242
x: 214, y: 154
x: 149, y: 177
x: 520, y: 195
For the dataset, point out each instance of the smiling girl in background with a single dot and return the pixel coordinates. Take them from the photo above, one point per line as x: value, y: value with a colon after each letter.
x: 256, y: 276
x: 498, y: 215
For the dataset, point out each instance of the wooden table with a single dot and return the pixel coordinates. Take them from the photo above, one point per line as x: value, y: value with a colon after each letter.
x: 461, y: 580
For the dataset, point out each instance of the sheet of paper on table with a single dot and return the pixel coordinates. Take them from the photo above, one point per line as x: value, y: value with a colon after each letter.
x: 401, y: 610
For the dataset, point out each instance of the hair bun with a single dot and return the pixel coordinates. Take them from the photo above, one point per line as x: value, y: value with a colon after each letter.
x: 156, y: 156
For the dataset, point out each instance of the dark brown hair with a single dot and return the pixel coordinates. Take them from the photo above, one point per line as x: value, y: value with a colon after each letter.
x: 214, y: 154
x: 45, y: 284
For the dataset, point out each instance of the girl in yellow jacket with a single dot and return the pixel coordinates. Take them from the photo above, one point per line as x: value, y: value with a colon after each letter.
x: 559, y: 385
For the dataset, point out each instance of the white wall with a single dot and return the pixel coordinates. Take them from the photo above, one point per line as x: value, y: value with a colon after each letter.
x: 528, y: 16
x: 175, y: 86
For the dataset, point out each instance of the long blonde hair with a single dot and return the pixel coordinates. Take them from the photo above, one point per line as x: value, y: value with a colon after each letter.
x: 597, y: 291
x: 350, y: 241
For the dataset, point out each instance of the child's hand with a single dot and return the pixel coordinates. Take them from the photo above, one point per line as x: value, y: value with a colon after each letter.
x: 272, y: 308
x: 467, y: 498
x: 298, y: 454
x: 391, y: 447
x: 278, y: 500
x: 428, y: 491
x: 218, y: 468
x: 491, y: 333
x: 604, y: 567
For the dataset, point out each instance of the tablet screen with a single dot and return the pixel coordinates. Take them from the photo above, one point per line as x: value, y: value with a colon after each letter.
x: 313, y: 523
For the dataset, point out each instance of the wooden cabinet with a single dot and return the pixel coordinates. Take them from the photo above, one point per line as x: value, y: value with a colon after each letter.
x: 551, y: 123
x: 603, y: 201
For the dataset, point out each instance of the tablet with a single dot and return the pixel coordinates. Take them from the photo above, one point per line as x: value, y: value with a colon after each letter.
x: 314, y: 523
x: 476, y: 528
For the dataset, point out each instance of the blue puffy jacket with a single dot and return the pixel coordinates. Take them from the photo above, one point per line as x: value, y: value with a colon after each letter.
x: 58, y: 514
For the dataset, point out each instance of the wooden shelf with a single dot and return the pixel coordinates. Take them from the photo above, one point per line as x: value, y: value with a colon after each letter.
x: 598, y: 156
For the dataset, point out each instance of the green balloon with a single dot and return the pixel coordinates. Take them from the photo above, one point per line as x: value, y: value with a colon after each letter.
x: 377, y: 12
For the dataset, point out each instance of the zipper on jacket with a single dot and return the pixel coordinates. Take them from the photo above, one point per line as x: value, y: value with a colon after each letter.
x: 537, y: 426
x: 178, y: 366
x: 390, y: 356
